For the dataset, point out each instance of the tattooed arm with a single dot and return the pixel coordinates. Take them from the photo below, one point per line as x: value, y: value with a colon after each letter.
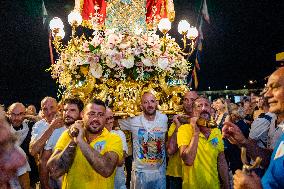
x: 102, y: 164
x: 61, y: 161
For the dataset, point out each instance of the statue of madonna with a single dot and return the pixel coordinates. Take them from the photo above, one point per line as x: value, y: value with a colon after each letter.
x: 127, y: 15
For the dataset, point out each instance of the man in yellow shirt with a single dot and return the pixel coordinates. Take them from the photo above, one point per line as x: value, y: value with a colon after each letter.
x: 87, y: 159
x: 174, y: 168
x: 202, y: 151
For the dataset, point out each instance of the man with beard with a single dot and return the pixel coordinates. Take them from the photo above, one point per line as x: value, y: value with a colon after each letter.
x: 202, y: 151
x: 72, y: 108
x: 148, y: 133
x: 11, y: 159
x: 22, y: 128
x: 174, y: 169
x: 88, y: 158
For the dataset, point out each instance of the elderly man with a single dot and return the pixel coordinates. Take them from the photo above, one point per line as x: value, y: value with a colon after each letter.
x: 41, y: 132
x: 22, y: 129
x: 148, y: 133
x: 87, y: 159
x: 274, y: 177
x: 202, y: 151
x: 11, y: 159
x: 174, y: 168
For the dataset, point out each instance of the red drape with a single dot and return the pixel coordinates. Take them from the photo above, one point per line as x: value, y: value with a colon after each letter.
x: 161, y: 9
x: 88, y: 8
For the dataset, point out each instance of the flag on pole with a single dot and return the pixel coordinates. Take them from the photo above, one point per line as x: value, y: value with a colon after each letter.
x: 195, y: 79
x: 44, y: 13
x: 203, y: 14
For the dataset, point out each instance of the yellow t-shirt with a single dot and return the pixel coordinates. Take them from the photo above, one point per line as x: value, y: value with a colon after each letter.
x: 203, y: 173
x: 174, y: 168
x: 81, y: 174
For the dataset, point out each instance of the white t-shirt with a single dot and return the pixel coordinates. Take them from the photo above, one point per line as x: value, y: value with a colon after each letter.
x: 149, y: 152
x: 38, y: 129
x: 120, y: 179
x: 50, y: 144
x: 123, y: 139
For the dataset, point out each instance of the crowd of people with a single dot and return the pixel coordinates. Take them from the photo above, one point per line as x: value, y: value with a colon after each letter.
x: 74, y: 145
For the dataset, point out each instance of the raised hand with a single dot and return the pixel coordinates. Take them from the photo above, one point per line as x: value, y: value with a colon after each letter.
x: 233, y: 133
x: 78, y: 125
x: 176, y: 121
x: 57, y: 122
x: 193, y: 121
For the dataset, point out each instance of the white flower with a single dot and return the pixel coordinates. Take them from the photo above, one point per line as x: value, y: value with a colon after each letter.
x: 163, y: 62
x: 128, y: 63
x: 96, y: 70
x: 146, y: 61
x: 97, y: 40
x: 137, y: 51
x: 92, y: 59
x: 80, y: 61
x: 111, y: 52
x: 125, y: 45
x: 113, y: 39
x: 110, y: 63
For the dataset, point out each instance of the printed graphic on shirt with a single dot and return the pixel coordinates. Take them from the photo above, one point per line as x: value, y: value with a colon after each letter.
x: 99, y: 146
x: 280, y: 150
x: 214, y: 142
x: 151, y: 146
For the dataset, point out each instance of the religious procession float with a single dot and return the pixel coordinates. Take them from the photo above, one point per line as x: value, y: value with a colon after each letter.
x: 121, y: 55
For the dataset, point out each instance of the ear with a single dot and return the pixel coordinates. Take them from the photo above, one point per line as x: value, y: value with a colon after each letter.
x: 82, y: 114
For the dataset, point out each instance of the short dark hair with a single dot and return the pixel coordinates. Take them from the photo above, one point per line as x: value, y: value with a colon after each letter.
x: 98, y: 102
x: 76, y: 101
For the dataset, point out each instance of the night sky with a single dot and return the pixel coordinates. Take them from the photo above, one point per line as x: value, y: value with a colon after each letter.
x: 239, y: 45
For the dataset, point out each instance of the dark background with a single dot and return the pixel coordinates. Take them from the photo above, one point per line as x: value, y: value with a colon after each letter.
x: 239, y: 45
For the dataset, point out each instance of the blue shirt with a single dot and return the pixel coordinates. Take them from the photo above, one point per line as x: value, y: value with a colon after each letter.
x: 274, y: 176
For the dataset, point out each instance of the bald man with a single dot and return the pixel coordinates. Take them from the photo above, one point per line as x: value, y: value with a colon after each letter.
x: 149, y: 152
x: 41, y: 132
x: 274, y: 177
x: 174, y: 169
x: 23, y: 129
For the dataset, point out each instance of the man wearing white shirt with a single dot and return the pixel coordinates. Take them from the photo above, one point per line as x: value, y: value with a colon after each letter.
x: 41, y: 132
x: 22, y: 128
x: 149, y: 155
x: 119, y: 179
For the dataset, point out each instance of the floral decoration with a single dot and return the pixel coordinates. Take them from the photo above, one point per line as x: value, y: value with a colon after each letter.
x: 119, y: 56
